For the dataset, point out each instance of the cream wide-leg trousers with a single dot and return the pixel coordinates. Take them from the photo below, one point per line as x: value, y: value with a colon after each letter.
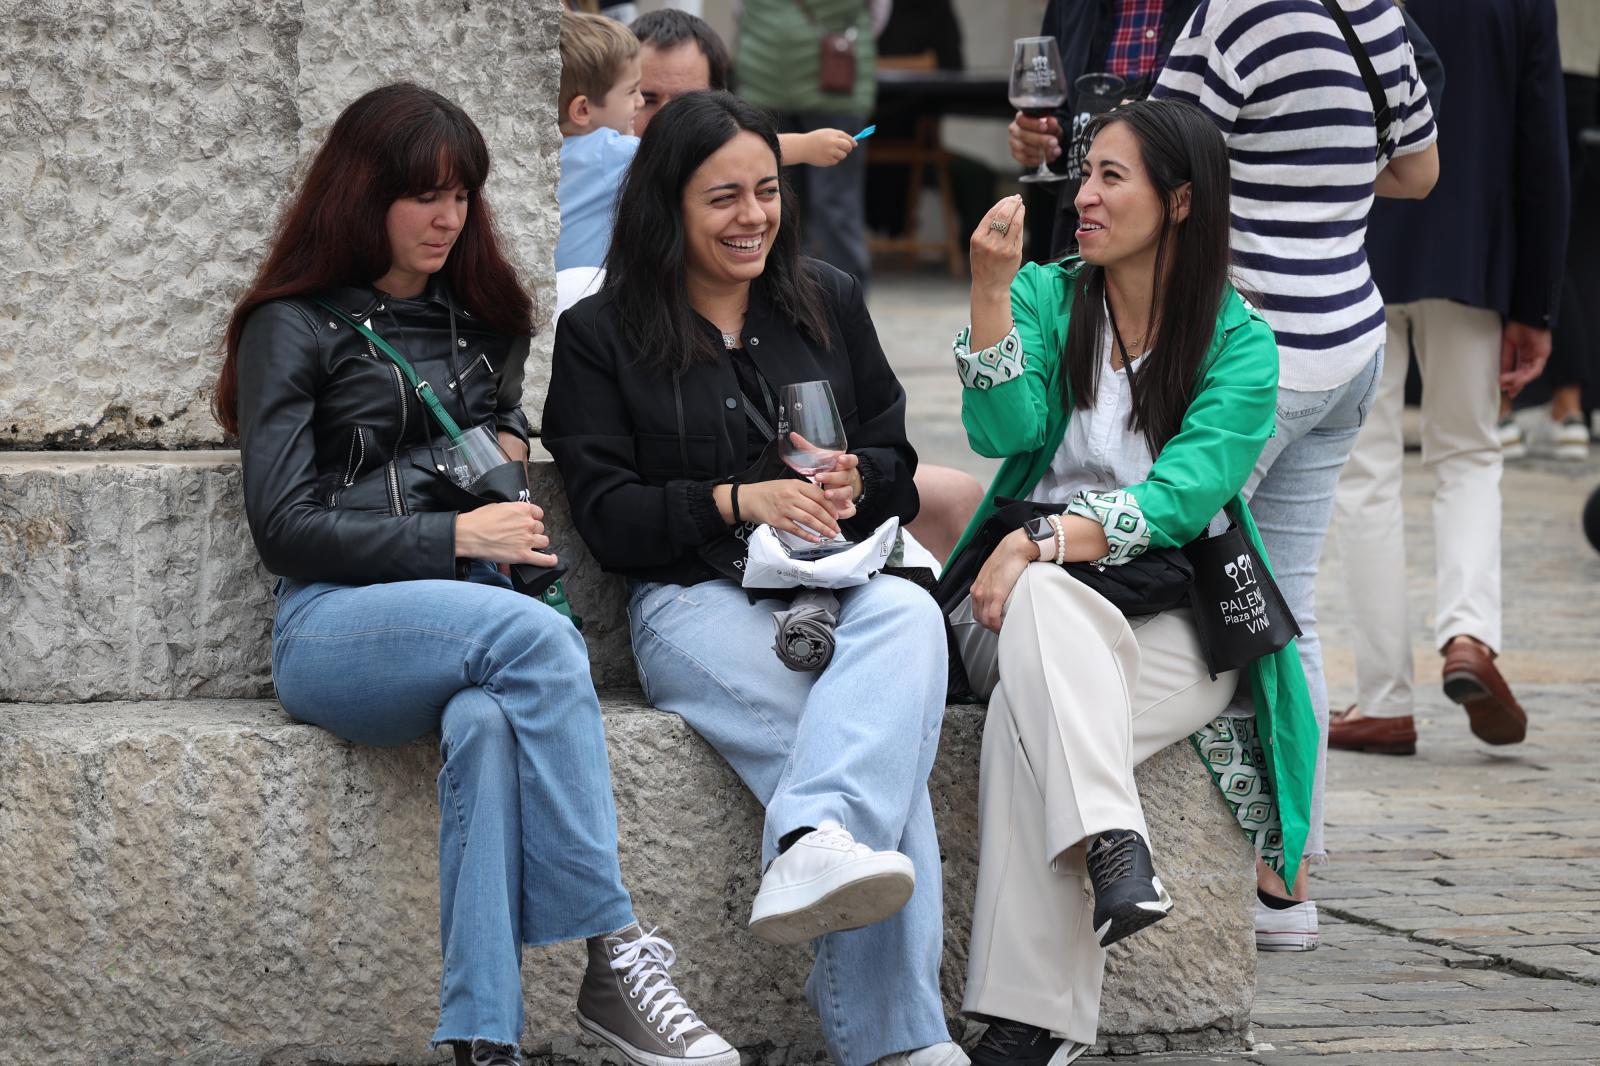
x: 1078, y: 696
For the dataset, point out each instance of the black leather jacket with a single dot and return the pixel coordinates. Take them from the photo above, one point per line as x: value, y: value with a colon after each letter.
x: 341, y: 481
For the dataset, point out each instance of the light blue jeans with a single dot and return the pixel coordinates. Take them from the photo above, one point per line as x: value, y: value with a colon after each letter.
x: 527, y: 830
x: 1291, y: 498
x: 853, y: 744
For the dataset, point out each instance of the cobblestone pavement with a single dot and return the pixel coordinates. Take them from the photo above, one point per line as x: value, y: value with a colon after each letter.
x: 1461, y: 908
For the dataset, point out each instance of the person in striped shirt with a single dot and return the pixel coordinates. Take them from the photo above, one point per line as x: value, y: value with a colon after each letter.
x: 1307, y: 158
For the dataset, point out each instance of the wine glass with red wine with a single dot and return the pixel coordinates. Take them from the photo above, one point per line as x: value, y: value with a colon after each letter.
x: 1038, y: 88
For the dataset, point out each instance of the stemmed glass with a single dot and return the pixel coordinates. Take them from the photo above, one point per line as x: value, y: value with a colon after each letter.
x: 478, y: 464
x: 1038, y: 88
x: 810, y: 434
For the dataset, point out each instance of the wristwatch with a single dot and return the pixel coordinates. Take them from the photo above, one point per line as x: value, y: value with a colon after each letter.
x: 1042, y: 532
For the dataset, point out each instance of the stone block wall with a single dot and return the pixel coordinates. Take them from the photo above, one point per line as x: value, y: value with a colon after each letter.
x: 146, y: 151
x: 204, y: 882
x: 132, y: 576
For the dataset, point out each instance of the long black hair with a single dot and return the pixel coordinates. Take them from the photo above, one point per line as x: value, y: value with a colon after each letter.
x: 1179, y: 146
x: 646, y: 270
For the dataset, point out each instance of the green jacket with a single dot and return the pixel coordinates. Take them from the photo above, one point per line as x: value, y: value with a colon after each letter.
x: 1198, y: 473
x: 777, y: 57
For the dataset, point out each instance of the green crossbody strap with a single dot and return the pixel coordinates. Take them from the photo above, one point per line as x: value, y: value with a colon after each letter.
x: 423, y: 390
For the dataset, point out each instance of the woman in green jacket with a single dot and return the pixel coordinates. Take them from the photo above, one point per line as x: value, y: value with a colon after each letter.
x: 1132, y: 389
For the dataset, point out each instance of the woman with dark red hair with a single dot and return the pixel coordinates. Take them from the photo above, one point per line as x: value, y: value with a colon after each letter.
x: 393, y: 618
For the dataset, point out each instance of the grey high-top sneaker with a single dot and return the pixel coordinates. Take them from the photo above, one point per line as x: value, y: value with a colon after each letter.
x: 629, y: 1001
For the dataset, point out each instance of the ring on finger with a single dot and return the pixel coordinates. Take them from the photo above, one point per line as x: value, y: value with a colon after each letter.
x: 999, y: 226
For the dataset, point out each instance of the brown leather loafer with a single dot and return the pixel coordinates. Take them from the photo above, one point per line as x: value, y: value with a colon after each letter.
x: 1470, y: 679
x: 1377, y: 736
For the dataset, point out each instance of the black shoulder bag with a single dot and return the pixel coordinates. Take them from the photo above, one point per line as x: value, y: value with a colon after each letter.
x: 1382, y: 116
x: 507, y: 483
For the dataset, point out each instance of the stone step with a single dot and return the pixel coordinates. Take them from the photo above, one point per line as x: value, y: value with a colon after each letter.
x: 132, y: 576
x: 206, y: 881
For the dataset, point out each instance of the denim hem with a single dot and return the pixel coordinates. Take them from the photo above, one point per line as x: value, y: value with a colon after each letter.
x: 584, y: 933
x: 440, y: 1041
x: 883, y: 1046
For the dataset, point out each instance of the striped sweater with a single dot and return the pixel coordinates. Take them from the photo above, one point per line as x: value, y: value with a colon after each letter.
x: 1279, y: 81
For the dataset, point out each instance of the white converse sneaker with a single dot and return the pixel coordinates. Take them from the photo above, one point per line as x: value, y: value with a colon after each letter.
x: 1290, y: 929
x: 826, y: 883
x: 946, y: 1053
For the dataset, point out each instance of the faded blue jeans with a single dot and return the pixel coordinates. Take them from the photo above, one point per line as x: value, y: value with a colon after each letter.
x: 1291, y: 498
x: 527, y: 830
x: 853, y: 744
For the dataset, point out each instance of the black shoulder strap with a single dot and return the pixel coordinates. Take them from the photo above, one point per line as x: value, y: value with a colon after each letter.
x: 1382, y: 117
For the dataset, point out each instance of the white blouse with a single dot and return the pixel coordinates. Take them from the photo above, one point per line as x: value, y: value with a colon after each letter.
x: 1099, y: 453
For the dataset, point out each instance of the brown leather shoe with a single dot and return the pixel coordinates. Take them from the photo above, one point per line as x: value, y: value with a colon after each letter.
x: 1377, y: 736
x: 1470, y: 679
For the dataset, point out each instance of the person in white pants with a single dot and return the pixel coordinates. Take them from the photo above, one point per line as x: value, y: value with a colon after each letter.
x: 1470, y: 278
x: 1130, y: 394
x: 1458, y: 350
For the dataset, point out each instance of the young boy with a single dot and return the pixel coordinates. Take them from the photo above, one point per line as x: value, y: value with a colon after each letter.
x: 599, y: 97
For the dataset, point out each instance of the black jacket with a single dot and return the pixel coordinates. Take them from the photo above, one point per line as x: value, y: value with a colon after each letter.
x: 639, y: 468
x: 340, y: 483
x: 1493, y: 232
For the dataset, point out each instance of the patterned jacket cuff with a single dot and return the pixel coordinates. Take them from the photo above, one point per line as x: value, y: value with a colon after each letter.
x: 995, y: 365
x: 1118, y: 514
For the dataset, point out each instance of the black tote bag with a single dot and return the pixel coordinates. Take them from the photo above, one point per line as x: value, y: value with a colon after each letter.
x: 1239, y: 612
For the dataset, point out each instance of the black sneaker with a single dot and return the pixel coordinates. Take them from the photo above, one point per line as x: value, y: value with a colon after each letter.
x: 485, y: 1053
x: 1007, y: 1043
x: 1127, y: 893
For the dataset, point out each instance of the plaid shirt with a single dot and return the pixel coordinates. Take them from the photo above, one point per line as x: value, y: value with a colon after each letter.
x: 1136, y: 40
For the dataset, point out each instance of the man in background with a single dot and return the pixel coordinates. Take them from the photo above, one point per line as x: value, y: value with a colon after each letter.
x: 1470, y: 279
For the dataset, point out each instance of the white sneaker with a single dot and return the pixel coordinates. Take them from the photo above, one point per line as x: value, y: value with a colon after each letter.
x: 948, y: 1053
x: 1290, y: 929
x: 1572, y: 439
x: 826, y: 883
x: 1513, y: 445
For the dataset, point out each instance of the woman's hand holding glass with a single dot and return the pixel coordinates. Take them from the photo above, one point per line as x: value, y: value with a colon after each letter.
x: 843, y: 485
x: 504, y: 533
x: 786, y: 504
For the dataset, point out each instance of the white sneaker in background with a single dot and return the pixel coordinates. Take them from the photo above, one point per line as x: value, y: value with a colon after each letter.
x: 1572, y: 439
x: 1290, y: 929
x: 825, y: 883
x: 1513, y: 444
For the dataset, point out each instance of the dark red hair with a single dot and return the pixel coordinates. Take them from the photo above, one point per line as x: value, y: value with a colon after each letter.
x: 397, y: 141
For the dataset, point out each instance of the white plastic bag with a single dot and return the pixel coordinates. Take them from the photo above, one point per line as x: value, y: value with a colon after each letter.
x: 771, y: 565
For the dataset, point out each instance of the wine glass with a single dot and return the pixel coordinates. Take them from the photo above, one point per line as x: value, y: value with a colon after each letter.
x: 478, y: 464
x: 810, y: 431
x: 1038, y: 88
x: 810, y: 440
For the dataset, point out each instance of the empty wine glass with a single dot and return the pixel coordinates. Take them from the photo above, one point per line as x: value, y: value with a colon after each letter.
x: 1038, y: 88
x: 475, y: 455
x: 810, y: 431
x: 810, y: 441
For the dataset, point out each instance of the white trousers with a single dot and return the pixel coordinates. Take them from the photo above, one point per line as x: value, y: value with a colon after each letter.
x: 1458, y: 352
x: 1080, y: 696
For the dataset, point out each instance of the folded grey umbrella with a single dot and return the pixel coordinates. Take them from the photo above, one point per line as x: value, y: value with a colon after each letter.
x: 805, y: 630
